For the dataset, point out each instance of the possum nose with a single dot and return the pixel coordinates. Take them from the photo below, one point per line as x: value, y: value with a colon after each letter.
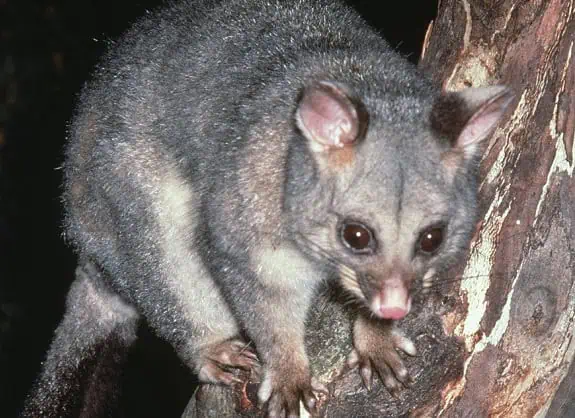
x: 393, y: 300
x: 395, y: 312
x: 392, y: 313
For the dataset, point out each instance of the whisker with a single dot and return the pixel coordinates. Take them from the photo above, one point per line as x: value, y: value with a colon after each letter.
x: 319, y: 250
x: 503, y: 239
x: 507, y: 237
x: 435, y: 284
x: 351, y: 300
x: 347, y: 275
x: 459, y: 278
x: 439, y: 282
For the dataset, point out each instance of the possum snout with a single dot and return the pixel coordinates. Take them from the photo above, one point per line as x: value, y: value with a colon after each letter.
x: 393, y: 301
x: 391, y: 298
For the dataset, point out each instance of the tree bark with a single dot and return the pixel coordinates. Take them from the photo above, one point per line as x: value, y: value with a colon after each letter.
x: 516, y: 306
x: 497, y: 339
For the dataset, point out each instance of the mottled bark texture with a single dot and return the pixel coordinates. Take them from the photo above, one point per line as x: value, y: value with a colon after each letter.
x: 496, y: 338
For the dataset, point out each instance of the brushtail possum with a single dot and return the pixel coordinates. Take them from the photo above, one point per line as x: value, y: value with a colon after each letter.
x: 229, y: 156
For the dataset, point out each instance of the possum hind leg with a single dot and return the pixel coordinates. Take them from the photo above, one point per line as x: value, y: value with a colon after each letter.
x: 80, y: 375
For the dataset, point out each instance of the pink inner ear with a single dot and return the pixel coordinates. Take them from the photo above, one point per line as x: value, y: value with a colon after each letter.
x: 484, y: 120
x: 327, y: 117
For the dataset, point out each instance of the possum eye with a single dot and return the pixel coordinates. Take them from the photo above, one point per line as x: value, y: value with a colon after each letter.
x: 357, y: 237
x: 430, y: 239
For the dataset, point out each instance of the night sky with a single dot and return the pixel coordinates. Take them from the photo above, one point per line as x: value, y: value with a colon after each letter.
x: 48, y: 50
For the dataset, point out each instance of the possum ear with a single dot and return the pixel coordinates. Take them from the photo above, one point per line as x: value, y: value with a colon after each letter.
x: 329, y: 117
x: 468, y: 117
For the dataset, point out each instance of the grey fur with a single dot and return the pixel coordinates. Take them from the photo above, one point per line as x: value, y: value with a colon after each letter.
x: 201, y: 204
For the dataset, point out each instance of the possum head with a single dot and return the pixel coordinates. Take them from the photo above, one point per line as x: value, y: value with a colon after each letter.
x: 383, y: 189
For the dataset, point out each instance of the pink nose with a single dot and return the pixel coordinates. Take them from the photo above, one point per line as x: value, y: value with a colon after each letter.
x: 392, y: 313
x: 393, y: 301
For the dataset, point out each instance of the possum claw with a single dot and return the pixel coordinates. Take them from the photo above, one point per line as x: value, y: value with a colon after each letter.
x: 376, y: 344
x: 217, y: 360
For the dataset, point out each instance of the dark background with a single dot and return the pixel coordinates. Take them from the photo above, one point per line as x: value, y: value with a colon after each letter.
x: 48, y: 49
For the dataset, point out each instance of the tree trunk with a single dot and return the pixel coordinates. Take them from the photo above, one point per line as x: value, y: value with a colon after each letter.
x: 516, y: 307
x: 497, y: 339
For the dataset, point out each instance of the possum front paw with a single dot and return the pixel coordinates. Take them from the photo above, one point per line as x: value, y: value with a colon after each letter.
x: 217, y: 361
x: 375, y: 349
x: 283, y: 389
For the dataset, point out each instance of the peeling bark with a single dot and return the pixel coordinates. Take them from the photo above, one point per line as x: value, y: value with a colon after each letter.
x: 516, y: 303
x: 498, y: 341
